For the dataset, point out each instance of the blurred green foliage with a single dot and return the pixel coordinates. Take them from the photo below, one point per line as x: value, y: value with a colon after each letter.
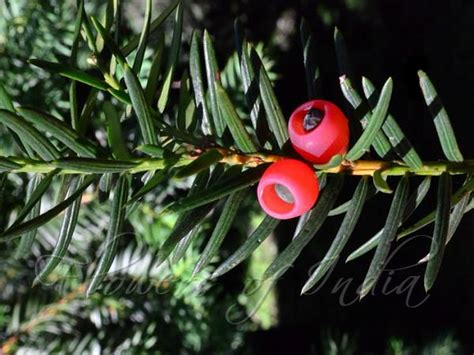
x: 165, y: 310
x: 178, y: 313
x: 34, y: 28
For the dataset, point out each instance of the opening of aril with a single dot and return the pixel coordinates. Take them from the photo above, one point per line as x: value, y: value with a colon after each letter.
x: 285, y: 194
x: 275, y: 202
x: 312, y: 119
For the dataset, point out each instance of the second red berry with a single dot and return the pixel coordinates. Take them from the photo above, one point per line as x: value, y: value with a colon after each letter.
x: 287, y: 189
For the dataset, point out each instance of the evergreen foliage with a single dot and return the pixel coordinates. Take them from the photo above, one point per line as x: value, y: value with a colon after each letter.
x: 221, y: 130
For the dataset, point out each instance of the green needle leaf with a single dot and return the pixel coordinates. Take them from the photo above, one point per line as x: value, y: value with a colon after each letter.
x: 77, y: 31
x: 140, y: 106
x: 336, y: 160
x: 120, y: 95
x: 275, y: 118
x: 381, y: 144
x: 222, y: 172
x: 29, y: 135
x: 318, y: 215
x: 48, y: 215
x: 34, y: 198
x: 470, y: 205
x: 389, y: 233
x: 239, y: 133
x: 342, y: 208
x: 413, y: 202
x: 105, y: 185
x: 88, y: 34
x: 441, y: 119
x: 220, y: 231
x: 107, y: 19
x: 457, y: 214
x: 380, y: 183
x: 28, y: 239
x: 92, y: 166
x: 73, y: 104
x: 429, y: 218
x: 109, y: 42
x: 111, y: 240
x: 213, y: 77
x: 345, y: 230
x: 301, y: 222
x: 183, y: 245
x: 309, y: 53
x: 441, y: 229
x: 151, y: 150
x: 114, y: 133
x: 59, y: 130
x: 70, y: 72
x: 149, y: 186
x: 261, y: 233
x: 65, y: 234
x: 7, y: 165
x: 374, y: 125
x: 187, y: 223
x: 6, y: 102
x: 154, y: 76
x: 392, y: 130
x: 251, y: 95
x: 455, y: 218
x: 238, y: 38
x: 137, y: 64
x: 220, y: 190
x: 87, y: 110
x: 172, y: 61
x: 188, y: 220
x: 186, y: 120
x: 155, y: 24
x: 3, y: 178
x: 204, y: 161
x: 198, y: 84
x: 342, y: 55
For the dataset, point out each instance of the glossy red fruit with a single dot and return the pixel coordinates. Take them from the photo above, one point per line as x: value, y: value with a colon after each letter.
x: 319, y: 130
x: 287, y: 189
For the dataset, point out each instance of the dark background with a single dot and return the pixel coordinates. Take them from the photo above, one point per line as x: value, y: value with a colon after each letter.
x: 385, y: 38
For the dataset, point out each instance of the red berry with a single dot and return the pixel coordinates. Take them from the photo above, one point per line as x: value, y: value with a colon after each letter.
x: 319, y: 130
x: 287, y: 189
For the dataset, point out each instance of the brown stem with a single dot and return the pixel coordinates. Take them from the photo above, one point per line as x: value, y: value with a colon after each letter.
x: 232, y: 157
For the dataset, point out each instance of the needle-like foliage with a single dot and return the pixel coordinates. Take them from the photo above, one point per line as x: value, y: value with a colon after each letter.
x: 199, y: 133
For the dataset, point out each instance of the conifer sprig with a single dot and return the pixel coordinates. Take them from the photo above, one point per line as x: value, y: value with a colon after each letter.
x: 205, y: 135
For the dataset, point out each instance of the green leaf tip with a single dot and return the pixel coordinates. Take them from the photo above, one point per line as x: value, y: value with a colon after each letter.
x: 221, y: 229
x: 345, y: 230
x: 399, y: 142
x: 141, y: 107
x: 326, y: 201
x: 389, y: 233
x: 114, y: 232
x: 380, y: 182
x: 374, y: 125
x: 440, y: 234
x: 441, y: 119
x: 262, y: 232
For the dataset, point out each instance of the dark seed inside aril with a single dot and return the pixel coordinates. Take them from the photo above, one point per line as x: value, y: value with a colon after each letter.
x: 312, y: 119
